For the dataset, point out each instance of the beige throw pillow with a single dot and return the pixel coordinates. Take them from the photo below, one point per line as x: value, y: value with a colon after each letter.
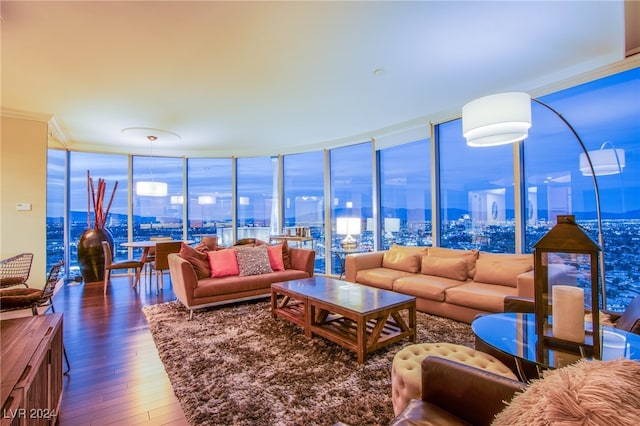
x: 403, y: 258
x: 454, y: 268
x: 469, y: 256
x: 502, y: 272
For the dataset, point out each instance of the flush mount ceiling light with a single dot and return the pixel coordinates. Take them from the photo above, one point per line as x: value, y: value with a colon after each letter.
x: 141, y: 134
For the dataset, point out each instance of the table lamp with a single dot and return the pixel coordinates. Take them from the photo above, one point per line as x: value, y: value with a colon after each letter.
x: 348, y: 226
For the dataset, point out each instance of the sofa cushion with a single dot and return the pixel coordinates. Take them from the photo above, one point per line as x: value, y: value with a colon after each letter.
x: 253, y: 260
x: 11, y: 298
x: 286, y: 256
x: 198, y: 259
x: 480, y: 296
x: 428, y: 287
x: 502, y: 272
x: 275, y: 257
x: 469, y: 256
x: 380, y: 277
x: 453, y: 268
x: 223, y: 263
x: 224, y: 285
x: 521, y: 258
x: 403, y: 258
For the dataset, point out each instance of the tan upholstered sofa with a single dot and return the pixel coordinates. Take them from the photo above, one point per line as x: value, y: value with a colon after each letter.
x: 196, y: 291
x: 457, y: 284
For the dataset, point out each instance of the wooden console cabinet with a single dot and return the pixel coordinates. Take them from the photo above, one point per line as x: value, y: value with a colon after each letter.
x: 31, y: 369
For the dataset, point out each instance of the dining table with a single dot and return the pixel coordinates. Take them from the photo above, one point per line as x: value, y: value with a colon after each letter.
x: 146, y: 245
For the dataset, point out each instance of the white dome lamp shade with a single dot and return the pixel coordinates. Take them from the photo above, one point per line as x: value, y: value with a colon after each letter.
x: 605, y: 161
x: 135, y: 134
x: 497, y: 119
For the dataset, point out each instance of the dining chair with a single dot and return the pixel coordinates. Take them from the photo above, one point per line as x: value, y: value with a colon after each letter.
x: 211, y: 242
x: 161, y: 262
x: 17, y: 298
x: 15, y: 270
x: 110, y: 265
x: 151, y: 256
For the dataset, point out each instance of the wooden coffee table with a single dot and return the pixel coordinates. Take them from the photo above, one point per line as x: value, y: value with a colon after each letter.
x: 357, y: 317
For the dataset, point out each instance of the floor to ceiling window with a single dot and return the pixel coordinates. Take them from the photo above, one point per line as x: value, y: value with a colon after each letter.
x: 351, y: 195
x: 56, y: 170
x: 405, y: 194
x: 256, y: 202
x: 210, y: 200
x: 155, y: 181
x: 476, y: 193
x: 111, y: 168
x: 606, y: 115
x: 303, y: 198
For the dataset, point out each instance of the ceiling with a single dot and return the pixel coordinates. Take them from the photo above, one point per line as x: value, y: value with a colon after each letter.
x: 262, y: 78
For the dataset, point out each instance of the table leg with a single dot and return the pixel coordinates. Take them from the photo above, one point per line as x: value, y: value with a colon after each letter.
x: 145, y: 253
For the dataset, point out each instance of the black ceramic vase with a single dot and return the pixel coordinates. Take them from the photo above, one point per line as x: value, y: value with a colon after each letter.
x: 90, y: 255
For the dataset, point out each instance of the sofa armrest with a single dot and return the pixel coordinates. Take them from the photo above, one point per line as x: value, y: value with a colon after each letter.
x: 519, y: 304
x: 525, y: 283
x: 470, y: 393
x: 303, y: 259
x: 359, y: 261
x: 183, y: 278
x: 559, y: 273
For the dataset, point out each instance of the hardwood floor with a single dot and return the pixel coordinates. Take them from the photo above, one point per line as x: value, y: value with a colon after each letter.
x: 116, y: 374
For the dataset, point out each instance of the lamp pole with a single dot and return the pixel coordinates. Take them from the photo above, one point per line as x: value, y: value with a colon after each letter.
x: 597, y: 192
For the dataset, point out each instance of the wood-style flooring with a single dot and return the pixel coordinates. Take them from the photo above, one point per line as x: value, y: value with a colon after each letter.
x: 116, y: 375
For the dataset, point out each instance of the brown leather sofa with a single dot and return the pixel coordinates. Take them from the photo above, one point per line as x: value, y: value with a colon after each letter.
x: 452, y: 283
x: 457, y: 394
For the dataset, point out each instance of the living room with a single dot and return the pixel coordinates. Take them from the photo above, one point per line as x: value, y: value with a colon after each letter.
x: 29, y: 140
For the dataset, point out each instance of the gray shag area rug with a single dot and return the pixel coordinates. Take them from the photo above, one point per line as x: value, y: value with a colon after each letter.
x: 237, y: 365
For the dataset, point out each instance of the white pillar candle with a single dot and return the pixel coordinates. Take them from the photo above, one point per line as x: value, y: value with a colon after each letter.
x: 568, y: 313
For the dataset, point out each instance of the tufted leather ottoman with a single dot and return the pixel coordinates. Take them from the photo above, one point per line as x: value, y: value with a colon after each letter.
x: 406, y: 374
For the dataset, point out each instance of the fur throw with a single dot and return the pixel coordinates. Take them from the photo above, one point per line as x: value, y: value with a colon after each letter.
x: 584, y: 393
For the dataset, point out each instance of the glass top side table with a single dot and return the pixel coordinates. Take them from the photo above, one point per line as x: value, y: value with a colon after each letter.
x: 515, y: 335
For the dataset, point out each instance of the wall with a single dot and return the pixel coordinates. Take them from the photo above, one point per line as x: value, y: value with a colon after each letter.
x: 23, y: 179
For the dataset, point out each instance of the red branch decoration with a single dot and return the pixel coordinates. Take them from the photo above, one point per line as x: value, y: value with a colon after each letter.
x: 96, y: 198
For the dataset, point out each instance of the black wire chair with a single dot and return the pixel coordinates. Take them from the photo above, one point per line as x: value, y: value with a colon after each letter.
x: 17, y: 298
x: 15, y: 270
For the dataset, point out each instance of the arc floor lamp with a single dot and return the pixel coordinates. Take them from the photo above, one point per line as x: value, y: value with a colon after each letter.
x: 506, y: 118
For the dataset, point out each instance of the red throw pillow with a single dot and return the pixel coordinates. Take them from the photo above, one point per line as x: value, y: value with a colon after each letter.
x: 223, y: 263
x: 275, y: 257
